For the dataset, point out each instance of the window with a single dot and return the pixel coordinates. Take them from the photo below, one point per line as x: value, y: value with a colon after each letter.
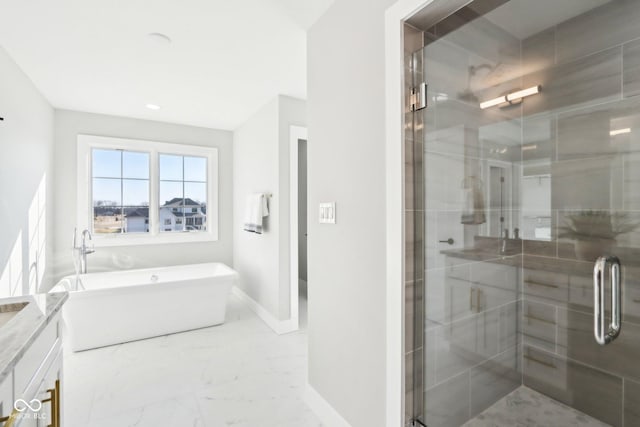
x: 183, y: 189
x: 120, y: 190
x: 143, y: 192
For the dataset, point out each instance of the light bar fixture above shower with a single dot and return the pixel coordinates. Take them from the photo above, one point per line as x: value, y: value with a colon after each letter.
x: 511, y: 97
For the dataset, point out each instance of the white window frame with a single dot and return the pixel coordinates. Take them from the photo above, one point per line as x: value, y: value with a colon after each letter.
x: 86, y: 143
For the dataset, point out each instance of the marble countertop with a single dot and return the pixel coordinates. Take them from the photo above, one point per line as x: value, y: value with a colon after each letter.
x: 17, y: 335
x: 508, y: 258
x: 537, y: 262
x: 553, y: 256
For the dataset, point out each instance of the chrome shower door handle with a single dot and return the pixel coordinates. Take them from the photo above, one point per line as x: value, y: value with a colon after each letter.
x: 599, y: 271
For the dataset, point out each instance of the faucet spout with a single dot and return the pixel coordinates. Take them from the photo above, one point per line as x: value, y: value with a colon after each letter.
x: 85, y: 234
x: 85, y: 250
x: 505, y: 237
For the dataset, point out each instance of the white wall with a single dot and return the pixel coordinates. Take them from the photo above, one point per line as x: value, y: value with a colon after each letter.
x: 26, y: 139
x: 346, y: 116
x: 68, y: 124
x: 261, y: 164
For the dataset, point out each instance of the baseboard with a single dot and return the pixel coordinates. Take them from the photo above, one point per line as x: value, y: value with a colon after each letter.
x: 279, y: 326
x: 327, y: 414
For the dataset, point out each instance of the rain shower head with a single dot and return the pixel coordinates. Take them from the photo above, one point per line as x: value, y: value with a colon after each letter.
x: 468, y: 95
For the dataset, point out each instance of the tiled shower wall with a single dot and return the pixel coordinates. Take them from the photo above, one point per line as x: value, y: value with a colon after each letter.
x: 472, y: 354
x: 495, y: 320
x: 589, y: 68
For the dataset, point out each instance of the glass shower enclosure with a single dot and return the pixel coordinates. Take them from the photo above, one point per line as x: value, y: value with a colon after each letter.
x: 523, y: 213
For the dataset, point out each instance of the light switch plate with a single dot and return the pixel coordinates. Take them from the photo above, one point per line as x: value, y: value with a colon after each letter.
x: 328, y: 213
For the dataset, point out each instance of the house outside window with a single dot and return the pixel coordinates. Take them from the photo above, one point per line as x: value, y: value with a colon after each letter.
x: 144, y: 192
x: 183, y: 191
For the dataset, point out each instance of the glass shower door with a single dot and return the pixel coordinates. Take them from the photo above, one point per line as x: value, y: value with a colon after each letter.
x: 529, y: 155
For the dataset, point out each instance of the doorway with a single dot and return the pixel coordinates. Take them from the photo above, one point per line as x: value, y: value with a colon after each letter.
x: 302, y: 233
x: 298, y: 231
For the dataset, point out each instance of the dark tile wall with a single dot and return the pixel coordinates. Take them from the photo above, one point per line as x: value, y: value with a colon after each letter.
x: 472, y: 304
x: 589, y: 68
x: 494, y: 321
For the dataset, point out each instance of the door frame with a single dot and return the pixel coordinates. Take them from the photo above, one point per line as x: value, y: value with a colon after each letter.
x: 395, y: 17
x: 486, y: 177
x: 296, y: 133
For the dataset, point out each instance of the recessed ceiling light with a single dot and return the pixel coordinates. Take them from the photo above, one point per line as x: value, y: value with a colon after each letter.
x: 160, y: 38
x: 153, y: 107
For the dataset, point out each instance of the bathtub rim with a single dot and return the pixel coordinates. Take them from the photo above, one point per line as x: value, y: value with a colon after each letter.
x: 227, y: 273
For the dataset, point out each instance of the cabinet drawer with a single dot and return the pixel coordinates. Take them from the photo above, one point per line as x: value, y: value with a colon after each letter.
x: 6, y: 396
x: 29, y: 365
x: 457, y: 270
x: 549, y: 287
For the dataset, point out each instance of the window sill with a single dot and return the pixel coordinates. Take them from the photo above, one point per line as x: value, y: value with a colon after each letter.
x: 103, y: 241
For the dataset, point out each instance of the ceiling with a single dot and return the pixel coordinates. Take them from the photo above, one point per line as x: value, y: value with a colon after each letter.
x: 226, y: 58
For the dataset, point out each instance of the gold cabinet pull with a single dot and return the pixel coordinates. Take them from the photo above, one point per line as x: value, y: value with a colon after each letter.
x: 58, y: 398
x: 54, y: 399
x: 11, y: 419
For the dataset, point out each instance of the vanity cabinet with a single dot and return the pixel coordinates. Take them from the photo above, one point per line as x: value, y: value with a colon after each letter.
x: 476, y: 287
x: 6, y: 396
x: 35, y: 383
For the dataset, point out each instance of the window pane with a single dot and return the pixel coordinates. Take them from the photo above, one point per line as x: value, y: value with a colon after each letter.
x: 106, y: 163
x: 170, y: 193
x: 135, y: 192
x: 196, y: 206
x: 170, y: 167
x: 135, y: 165
x: 107, y: 219
x: 136, y: 219
x: 195, y: 169
x: 106, y: 192
x: 195, y: 193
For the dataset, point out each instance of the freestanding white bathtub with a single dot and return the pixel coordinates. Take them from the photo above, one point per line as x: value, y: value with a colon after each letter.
x: 121, y: 306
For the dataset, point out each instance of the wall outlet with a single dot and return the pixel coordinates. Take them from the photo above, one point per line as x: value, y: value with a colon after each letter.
x: 328, y: 213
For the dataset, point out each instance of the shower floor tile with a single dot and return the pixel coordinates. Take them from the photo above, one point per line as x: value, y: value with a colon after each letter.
x: 525, y: 407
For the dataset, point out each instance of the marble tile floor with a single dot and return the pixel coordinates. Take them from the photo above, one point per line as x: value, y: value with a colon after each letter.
x: 525, y: 407
x: 236, y: 374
